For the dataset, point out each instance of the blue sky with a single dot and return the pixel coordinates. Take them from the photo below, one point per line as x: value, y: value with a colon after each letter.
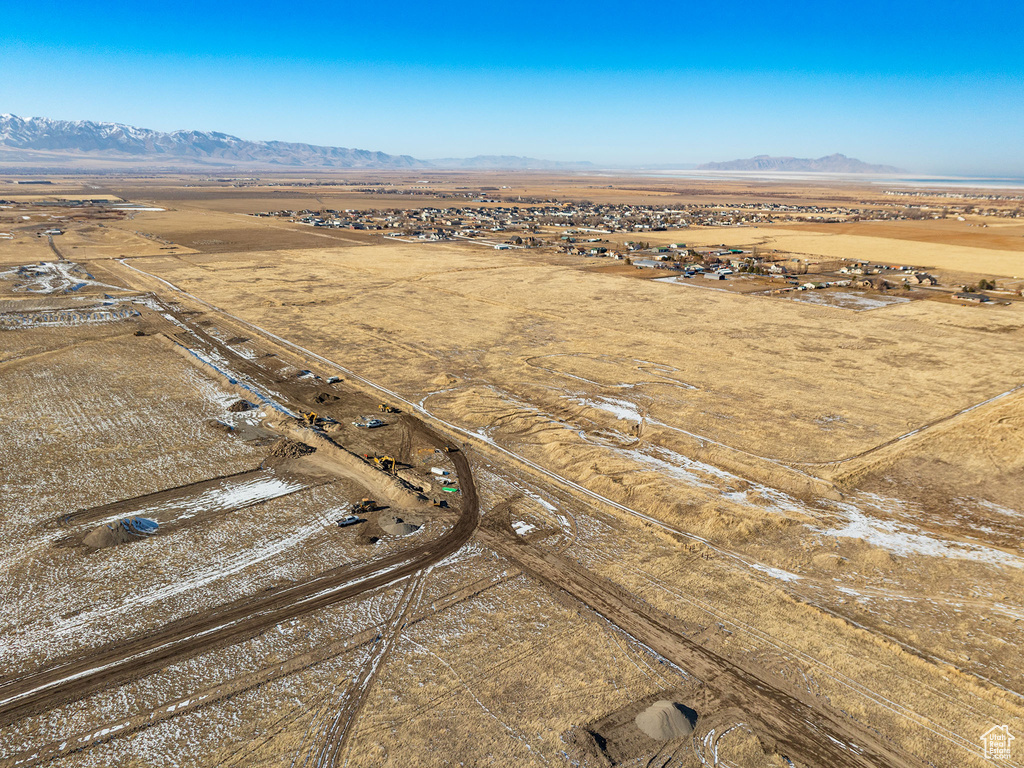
x: 933, y: 87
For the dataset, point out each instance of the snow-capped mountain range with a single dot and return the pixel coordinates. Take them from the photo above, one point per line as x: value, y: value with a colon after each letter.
x: 42, y: 141
x: 115, y: 139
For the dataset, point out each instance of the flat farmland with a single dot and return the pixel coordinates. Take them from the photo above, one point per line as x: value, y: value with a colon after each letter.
x: 583, y: 494
x: 782, y: 380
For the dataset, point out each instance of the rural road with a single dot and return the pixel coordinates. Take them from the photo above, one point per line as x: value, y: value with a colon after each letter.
x: 809, y: 733
x: 119, y: 662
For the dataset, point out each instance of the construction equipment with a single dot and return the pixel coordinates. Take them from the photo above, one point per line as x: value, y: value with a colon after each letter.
x: 443, y: 503
x: 315, y: 420
x: 363, y: 507
x: 387, y: 463
x: 450, y: 449
x: 385, y: 408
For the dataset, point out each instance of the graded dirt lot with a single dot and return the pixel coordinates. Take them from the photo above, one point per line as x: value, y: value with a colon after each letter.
x: 768, y: 532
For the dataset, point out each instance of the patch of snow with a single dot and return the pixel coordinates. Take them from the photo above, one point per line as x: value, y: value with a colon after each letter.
x: 843, y: 300
x: 776, y: 573
x: 905, y: 540
x: 997, y: 508
x: 54, y: 277
x: 621, y: 409
x: 234, y: 493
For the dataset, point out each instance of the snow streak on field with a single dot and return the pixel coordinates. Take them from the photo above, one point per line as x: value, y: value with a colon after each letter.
x: 864, y: 517
x: 230, y: 493
x: 844, y: 300
x: 113, y: 420
x: 905, y: 539
x: 212, y: 570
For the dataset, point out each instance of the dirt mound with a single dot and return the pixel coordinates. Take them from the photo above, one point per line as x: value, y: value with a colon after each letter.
x: 443, y: 380
x: 399, y: 526
x: 325, y: 397
x: 237, y: 340
x: 241, y: 406
x: 665, y: 720
x: 128, y: 529
x: 290, y: 449
x: 107, y: 536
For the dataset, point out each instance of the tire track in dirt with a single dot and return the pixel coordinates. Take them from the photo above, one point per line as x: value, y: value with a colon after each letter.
x: 807, y: 732
x: 104, y: 732
x: 801, y: 730
x: 119, y: 662
x: 335, y: 736
x: 191, y: 504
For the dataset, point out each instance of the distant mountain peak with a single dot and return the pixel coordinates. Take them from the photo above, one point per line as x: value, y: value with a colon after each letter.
x: 117, y: 142
x: 835, y: 163
x: 42, y: 141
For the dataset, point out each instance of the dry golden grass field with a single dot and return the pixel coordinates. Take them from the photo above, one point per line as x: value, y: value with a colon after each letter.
x: 827, y: 497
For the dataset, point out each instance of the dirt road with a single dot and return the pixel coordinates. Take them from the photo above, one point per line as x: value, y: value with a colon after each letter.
x: 119, y: 662
x: 807, y: 731
x: 53, y: 247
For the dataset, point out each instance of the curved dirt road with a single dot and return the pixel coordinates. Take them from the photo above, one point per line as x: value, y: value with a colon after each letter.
x: 122, y: 661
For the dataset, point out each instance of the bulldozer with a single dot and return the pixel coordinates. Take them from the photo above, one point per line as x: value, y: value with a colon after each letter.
x: 385, y: 408
x: 364, y: 506
x: 387, y: 463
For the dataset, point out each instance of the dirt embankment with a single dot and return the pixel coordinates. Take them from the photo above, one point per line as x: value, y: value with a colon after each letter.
x: 75, y: 677
x: 331, y: 456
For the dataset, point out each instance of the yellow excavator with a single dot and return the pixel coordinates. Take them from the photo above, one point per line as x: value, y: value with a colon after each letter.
x: 385, y: 408
x: 387, y: 463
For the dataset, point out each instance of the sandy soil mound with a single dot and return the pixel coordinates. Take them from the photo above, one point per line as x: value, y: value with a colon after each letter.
x: 665, y: 720
x: 107, y: 536
x: 290, y: 449
x: 325, y: 398
x: 443, y: 380
x: 241, y: 406
x: 128, y: 529
x: 399, y: 526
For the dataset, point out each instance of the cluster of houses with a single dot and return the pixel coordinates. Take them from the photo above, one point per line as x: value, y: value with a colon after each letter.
x: 576, y: 228
x: 720, y: 263
x: 488, y: 215
x: 712, y: 264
